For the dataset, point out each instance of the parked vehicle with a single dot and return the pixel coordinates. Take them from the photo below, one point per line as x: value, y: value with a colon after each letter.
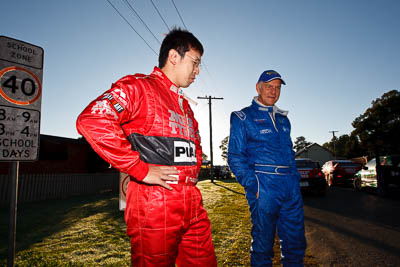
x: 222, y: 172
x: 390, y: 169
x: 312, y: 179
x: 340, y: 171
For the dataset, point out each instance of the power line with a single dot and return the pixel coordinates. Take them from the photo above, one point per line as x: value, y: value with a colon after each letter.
x: 204, y: 65
x: 132, y: 27
x: 209, y: 75
x: 137, y: 15
x: 178, y: 13
x: 160, y: 15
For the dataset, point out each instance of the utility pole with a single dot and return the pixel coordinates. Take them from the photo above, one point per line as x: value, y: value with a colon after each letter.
x: 334, y: 141
x: 211, y: 146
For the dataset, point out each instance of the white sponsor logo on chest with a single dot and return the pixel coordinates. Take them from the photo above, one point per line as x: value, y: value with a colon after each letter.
x: 177, y: 124
x: 265, y: 131
x: 184, y: 152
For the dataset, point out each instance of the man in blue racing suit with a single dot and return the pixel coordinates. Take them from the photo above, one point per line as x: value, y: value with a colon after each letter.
x: 261, y: 156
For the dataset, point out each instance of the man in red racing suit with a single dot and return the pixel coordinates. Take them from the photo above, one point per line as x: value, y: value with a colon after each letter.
x: 144, y: 126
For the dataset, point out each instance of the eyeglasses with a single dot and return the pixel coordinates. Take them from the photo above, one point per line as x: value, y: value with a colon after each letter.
x: 196, y: 61
x: 269, y: 87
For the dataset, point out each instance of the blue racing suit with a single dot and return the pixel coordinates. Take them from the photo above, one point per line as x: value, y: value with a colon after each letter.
x: 261, y: 156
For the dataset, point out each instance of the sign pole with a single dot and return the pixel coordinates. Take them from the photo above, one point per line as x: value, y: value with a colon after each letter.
x: 13, y: 176
x: 21, y: 72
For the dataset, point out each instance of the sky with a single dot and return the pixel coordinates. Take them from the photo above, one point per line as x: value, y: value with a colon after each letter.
x: 335, y: 56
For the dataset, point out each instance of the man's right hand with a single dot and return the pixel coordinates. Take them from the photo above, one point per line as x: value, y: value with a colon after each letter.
x: 158, y: 175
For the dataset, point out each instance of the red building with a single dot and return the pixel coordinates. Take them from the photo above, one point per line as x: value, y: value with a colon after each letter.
x: 62, y: 155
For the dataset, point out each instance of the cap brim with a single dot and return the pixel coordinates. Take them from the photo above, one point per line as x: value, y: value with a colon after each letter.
x: 275, y: 78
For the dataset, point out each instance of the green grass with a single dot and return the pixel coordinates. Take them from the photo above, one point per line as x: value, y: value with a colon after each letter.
x: 87, y: 231
x: 230, y: 218
x: 231, y: 225
x: 90, y: 231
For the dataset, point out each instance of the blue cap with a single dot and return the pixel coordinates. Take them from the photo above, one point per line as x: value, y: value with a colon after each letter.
x: 270, y: 75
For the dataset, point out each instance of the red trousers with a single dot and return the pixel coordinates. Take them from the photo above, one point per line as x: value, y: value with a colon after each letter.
x: 168, y: 227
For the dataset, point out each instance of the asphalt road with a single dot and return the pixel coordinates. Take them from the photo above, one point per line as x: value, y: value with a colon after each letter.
x: 350, y: 228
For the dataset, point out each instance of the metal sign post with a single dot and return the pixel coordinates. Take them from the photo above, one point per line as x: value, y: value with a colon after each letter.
x: 13, y: 173
x: 21, y: 72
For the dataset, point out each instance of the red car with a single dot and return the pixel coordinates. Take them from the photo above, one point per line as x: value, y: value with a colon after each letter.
x: 340, y: 171
x: 312, y: 179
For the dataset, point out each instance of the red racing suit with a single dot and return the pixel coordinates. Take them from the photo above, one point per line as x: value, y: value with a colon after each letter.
x: 145, y: 120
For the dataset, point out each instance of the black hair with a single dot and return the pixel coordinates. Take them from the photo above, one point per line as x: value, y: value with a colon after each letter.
x: 180, y: 40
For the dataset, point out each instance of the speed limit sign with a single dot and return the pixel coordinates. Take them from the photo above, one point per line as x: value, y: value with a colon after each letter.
x: 21, y: 72
x: 28, y: 91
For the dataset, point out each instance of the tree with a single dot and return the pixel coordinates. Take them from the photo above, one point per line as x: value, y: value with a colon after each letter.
x: 353, y: 147
x: 327, y: 145
x: 331, y: 145
x: 300, y: 143
x: 345, y: 146
x: 379, y: 126
x: 224, y: 148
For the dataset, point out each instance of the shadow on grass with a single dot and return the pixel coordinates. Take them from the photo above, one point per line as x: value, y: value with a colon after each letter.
x: 227, y: 181
x: 227, y: 188
x: 36, y: 221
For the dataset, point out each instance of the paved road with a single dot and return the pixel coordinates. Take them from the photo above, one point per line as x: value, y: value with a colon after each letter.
x: 350, y: 228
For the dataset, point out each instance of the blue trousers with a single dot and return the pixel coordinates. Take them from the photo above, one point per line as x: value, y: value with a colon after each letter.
x: 279, y: 206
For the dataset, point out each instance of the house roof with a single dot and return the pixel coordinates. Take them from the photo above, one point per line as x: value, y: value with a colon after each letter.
x: 309, y: 146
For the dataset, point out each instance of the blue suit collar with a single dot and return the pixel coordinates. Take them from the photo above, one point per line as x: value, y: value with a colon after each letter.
x: 274, y: 109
